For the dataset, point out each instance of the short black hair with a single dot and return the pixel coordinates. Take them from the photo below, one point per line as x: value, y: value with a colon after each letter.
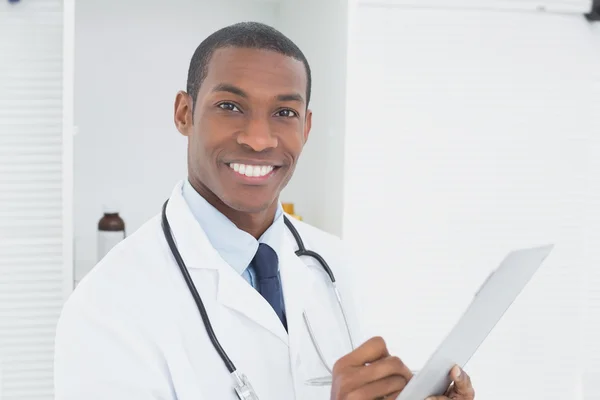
x: 250, y: 35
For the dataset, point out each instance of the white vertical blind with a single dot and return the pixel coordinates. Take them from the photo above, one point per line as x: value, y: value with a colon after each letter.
x: 473, y: 130
x: 32, y: 248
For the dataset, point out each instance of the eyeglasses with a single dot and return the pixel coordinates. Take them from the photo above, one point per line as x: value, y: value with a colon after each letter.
x: 326, y: 380
x: 323, y: 380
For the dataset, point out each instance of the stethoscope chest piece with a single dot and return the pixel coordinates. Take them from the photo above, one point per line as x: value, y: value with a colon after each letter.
x: 242, y: 386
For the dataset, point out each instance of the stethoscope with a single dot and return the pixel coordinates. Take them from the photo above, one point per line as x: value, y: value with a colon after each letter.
x: 242, y: 386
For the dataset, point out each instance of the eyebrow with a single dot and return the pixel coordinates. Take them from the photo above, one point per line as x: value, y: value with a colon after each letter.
x: 225, y: 87
x: 291, y: 97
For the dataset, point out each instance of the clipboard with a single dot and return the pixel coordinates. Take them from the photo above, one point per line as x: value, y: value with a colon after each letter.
x: 491, y: 301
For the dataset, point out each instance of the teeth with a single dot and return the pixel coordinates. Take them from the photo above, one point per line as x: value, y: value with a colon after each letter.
x: 252, y: 170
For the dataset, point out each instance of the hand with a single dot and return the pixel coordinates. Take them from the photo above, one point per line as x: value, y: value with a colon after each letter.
x: 369, y: 373
x: 461, y: 389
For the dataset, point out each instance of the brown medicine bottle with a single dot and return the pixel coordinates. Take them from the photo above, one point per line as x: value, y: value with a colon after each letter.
x: 111, y: 230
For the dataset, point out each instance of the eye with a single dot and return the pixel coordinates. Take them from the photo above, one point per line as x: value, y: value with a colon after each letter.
x: 229, y: 107
x: 287, y: 113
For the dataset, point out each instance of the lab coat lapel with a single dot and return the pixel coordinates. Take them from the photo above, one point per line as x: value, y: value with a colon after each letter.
x: 233, y: 291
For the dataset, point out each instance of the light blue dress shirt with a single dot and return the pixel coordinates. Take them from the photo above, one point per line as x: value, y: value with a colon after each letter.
x: 234, y: 245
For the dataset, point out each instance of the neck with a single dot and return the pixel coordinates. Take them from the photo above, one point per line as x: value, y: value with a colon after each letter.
x: 254, y: 223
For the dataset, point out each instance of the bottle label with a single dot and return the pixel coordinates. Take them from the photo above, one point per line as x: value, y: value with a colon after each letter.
x: 108, y: 240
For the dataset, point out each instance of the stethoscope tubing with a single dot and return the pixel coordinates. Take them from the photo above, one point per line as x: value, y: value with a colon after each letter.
x: 302, y: 251
x: 188, y: 280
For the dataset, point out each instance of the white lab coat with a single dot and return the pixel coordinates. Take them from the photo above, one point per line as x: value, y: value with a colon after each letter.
x: 131, y: 330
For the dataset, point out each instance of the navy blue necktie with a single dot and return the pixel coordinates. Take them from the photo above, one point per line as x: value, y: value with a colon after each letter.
x: 265, y: 266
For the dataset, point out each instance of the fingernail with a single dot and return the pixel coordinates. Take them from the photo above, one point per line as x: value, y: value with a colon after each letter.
x: 457, y: 371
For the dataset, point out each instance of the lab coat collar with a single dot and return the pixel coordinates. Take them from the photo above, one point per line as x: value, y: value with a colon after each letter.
x: 191, y: 240
x: 232, y: 290
x: 235, y: 246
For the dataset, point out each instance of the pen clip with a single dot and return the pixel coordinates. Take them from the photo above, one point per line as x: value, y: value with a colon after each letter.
x: 320, y: 381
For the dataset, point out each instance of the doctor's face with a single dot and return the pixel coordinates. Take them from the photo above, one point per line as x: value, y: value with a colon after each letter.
x: 248, y: 128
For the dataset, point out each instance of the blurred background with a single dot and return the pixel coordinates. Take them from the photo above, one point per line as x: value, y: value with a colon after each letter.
x: 456, y: 130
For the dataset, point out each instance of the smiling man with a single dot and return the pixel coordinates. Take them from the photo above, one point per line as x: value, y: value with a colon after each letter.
x: 209, y: 300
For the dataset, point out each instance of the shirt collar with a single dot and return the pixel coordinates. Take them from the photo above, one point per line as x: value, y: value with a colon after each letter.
x: 234, y: 245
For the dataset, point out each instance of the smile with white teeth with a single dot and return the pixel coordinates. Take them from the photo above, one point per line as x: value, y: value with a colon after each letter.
x: 251, y: 170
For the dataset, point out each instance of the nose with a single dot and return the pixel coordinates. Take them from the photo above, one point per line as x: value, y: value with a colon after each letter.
x: 258, y: 135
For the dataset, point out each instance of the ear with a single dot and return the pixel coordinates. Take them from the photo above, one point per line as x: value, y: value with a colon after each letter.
x: 307, y: 124
x: 183, y: 113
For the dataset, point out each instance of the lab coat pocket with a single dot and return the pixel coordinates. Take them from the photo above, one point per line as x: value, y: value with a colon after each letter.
x: 323, y: 344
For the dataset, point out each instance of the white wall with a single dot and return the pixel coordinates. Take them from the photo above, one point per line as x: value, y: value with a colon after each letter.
x: 473, y: 130
x: 319, y: 28
x: 131, y: 59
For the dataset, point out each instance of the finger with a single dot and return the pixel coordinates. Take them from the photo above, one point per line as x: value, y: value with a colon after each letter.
x: 450, y: 390
x: 380, y: 369
x: 360, y: 377
x: 462, y: 383
x: 393, y: 395
x: 370, y: 351
x: 438, y: 398
x: 381, y: 388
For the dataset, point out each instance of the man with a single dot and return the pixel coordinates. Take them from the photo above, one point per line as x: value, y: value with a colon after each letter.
x: 132, y: 331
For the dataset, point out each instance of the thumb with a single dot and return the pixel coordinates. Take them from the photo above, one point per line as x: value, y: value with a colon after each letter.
x: 462, y: 382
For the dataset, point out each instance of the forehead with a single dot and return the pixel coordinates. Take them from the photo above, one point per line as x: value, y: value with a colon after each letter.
x: 256, y: 69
